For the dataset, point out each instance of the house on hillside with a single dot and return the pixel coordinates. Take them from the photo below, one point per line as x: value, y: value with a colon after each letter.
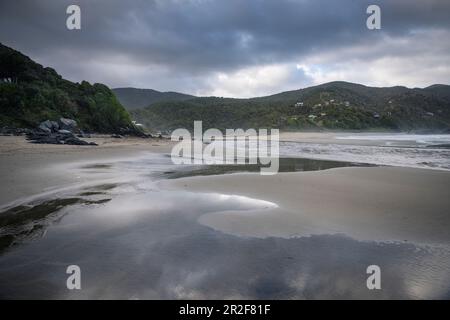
x: 137, y: 124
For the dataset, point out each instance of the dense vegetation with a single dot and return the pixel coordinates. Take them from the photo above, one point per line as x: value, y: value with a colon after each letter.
x: 132, y: 98
x: 30, y: 93
x: 335, y: 105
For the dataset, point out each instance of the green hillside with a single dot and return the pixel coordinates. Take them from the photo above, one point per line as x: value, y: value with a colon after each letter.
x: 30, y: 93
x: 132, y: 98
x: 334, y: 105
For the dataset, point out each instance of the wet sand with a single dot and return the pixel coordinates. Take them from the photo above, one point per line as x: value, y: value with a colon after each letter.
x: 27, y: 168
x: 377, y: 203
x: 299, y: 235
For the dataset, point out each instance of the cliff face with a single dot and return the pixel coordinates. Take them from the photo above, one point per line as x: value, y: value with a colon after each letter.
x: 30, y: 93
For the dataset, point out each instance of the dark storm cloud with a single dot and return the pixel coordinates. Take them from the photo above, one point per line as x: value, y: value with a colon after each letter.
x: 193, y: 39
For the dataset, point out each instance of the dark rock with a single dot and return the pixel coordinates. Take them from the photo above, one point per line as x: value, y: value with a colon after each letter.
x: 49, y: 126
x: 67, y: 124
x: 7, y: 131
x: 133, y: 131
x: 20, y: 131
x: 43, y: 128
x: 76, y: 141
x: 83, y: 134
x: 48, y: 139
x: 60, y: 137
x: 52, y: 132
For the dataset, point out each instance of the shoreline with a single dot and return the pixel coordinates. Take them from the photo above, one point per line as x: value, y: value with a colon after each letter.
x: 358, y: 196
x: 324, y: 225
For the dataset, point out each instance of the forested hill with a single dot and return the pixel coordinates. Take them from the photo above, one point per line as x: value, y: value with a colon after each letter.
x: 334, y: 105
x: 132, y: 98
x: 30, y: 93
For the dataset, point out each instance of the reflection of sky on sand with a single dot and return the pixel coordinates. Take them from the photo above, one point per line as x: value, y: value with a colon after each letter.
x: 147, y: 243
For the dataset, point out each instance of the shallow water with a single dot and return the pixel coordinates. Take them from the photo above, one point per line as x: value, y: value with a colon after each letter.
x: 416, y: 157
x: 135, y: 241
x: 403, y: 150
x: 285, y: 165
x: 389, y: 138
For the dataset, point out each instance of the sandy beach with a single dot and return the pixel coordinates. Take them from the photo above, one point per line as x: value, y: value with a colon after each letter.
x: 140, y: 232
x: 379, y: 203
x: 28, y: 168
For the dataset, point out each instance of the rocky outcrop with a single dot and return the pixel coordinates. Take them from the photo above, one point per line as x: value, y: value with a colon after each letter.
x: 57, y: 132
x: 68, y: 124
x: 8, y: 131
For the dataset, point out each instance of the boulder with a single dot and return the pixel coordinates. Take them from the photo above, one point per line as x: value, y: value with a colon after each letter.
x: 60, y: 137
x: 67, y: 124
x: 45, y: 129
x: 49, y: 126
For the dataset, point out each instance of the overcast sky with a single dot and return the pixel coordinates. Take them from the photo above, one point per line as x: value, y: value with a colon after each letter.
x: 237, y: 48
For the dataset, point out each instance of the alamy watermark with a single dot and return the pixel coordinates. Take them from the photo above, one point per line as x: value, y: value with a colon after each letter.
x: 374, y: 280
x: 373, y: 22
x: 73, y: 21
x: 73, y: 282
x: 236, y: 146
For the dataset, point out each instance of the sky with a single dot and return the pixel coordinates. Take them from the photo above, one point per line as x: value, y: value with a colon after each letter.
x: 234, y: 48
